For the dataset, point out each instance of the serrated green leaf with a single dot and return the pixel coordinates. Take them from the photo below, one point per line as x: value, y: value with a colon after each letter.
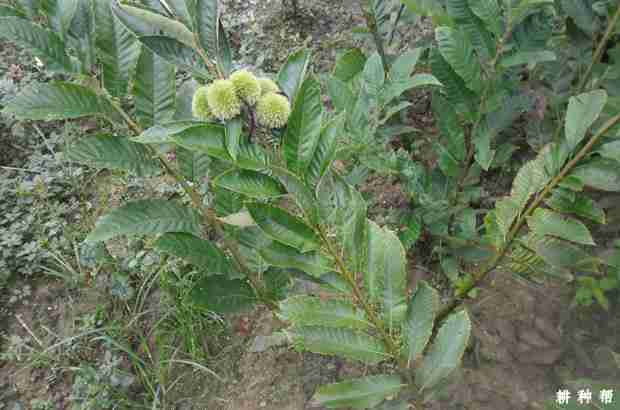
x: 349, y: 65
x: 373, y: 74
x: 222, y: 295
x: 233, y: 136
x: 601, y: 174
x: 117, y: 49
x: 394, y: 89
x: 560, y: 253
x: 304, y: 127
x: 453, y: 85
x: 293, y: 73
x: 580, y: 206
x: 176, y: 53
x: 206, y: 138
x: 205, y: 16
x: 146, y: 217
x: 546, y: 222
x: 405, y: 64
x: 163, y: 133
x: 313, y: 263
x: 154, y: 89
x: 41, y: 42
x: 458, y: 51
x: 108, y: 151
x: 345, y: 343
x: 250, y: 183
x: 446, y: 352
x: 582, y: 111
x: 300, y: 192
x: 362, y: 393
x: 313, y: 311
x: 340, y: 94
x: 199, y: 252
x: 58, y: 101
x: 418, y: 326
x: 143, y: 22
x: 385, y: 276
x: 325, y: 151
x: 489, y: 12
x: 283, y: 227
x: 482, y: 141
x: 527, y: 57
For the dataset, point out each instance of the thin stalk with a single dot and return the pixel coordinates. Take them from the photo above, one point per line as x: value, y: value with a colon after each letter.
x: 611, y: 27
x: 207, y: 213
x: 398, y: 16
x: 371, y: 23
x: 482, y: 274
x: 359, y: 299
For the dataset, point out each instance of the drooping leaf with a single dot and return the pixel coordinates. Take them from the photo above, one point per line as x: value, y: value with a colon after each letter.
x: 146, y: 217
x: 312, y: 311
x: 345, y: 343
x: 455, y: 46
x: 43, y: 43
x: 117, y: 49
x: 582, y: 111
x: 199, y: 252
x: 293, y: 73
x: 109, y: 151
x: 58, y: 101
x: 580, y: 206
x: 154, y: 89
x: 453, y: 85
x: 546, y: 222
x: 143, y: 22
x: 418, y: 326
x: 325, y: 149
x: 349, y: 65
x: 222, y: 295
x: 446, y: 351
x: 283, y: 227
x: 282, y: 256
x: 362, y: 393
x: 304, y: 127
x: 250, y: 183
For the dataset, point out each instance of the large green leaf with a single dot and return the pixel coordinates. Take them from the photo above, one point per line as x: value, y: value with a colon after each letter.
x: 117, y: 49
x: 418, y: 326
x: 146, y: 217
x: 446, y: 351
x: 154, y: 89
x: 43, y: 43
x: 250, y: 183
x: 59, y: 101
x: 582, y: 111
x: 60, y: 14
x: 579, y: 205
x: 601, y: 174
x: 206, y: 23
x: 528, y: 57
x: 455, y: 46
x: 82, y: 34
x: 362, y: 393
x: 234, y: 128
x: 143, y: 22
x: 349, y: 65
x: 222, y: 295
x: 546, y: 222
x: 304, y: 127
x: 385, y: 276
x: 373, y: 75
x: 582, y: 14
x: 199, y: 252
x: 177, y: 53
x: 350, y: 344
x: 325, y: 150
x: 283, y: 227
x: 610, y: 150
x: 489, y: 12
x: 405, y: 64
x: 313, y: 311
x: 293, y: 73
x: 282, y: 256
x: 453, y: 85
x: 206, y: 138
x: 109, y: 151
